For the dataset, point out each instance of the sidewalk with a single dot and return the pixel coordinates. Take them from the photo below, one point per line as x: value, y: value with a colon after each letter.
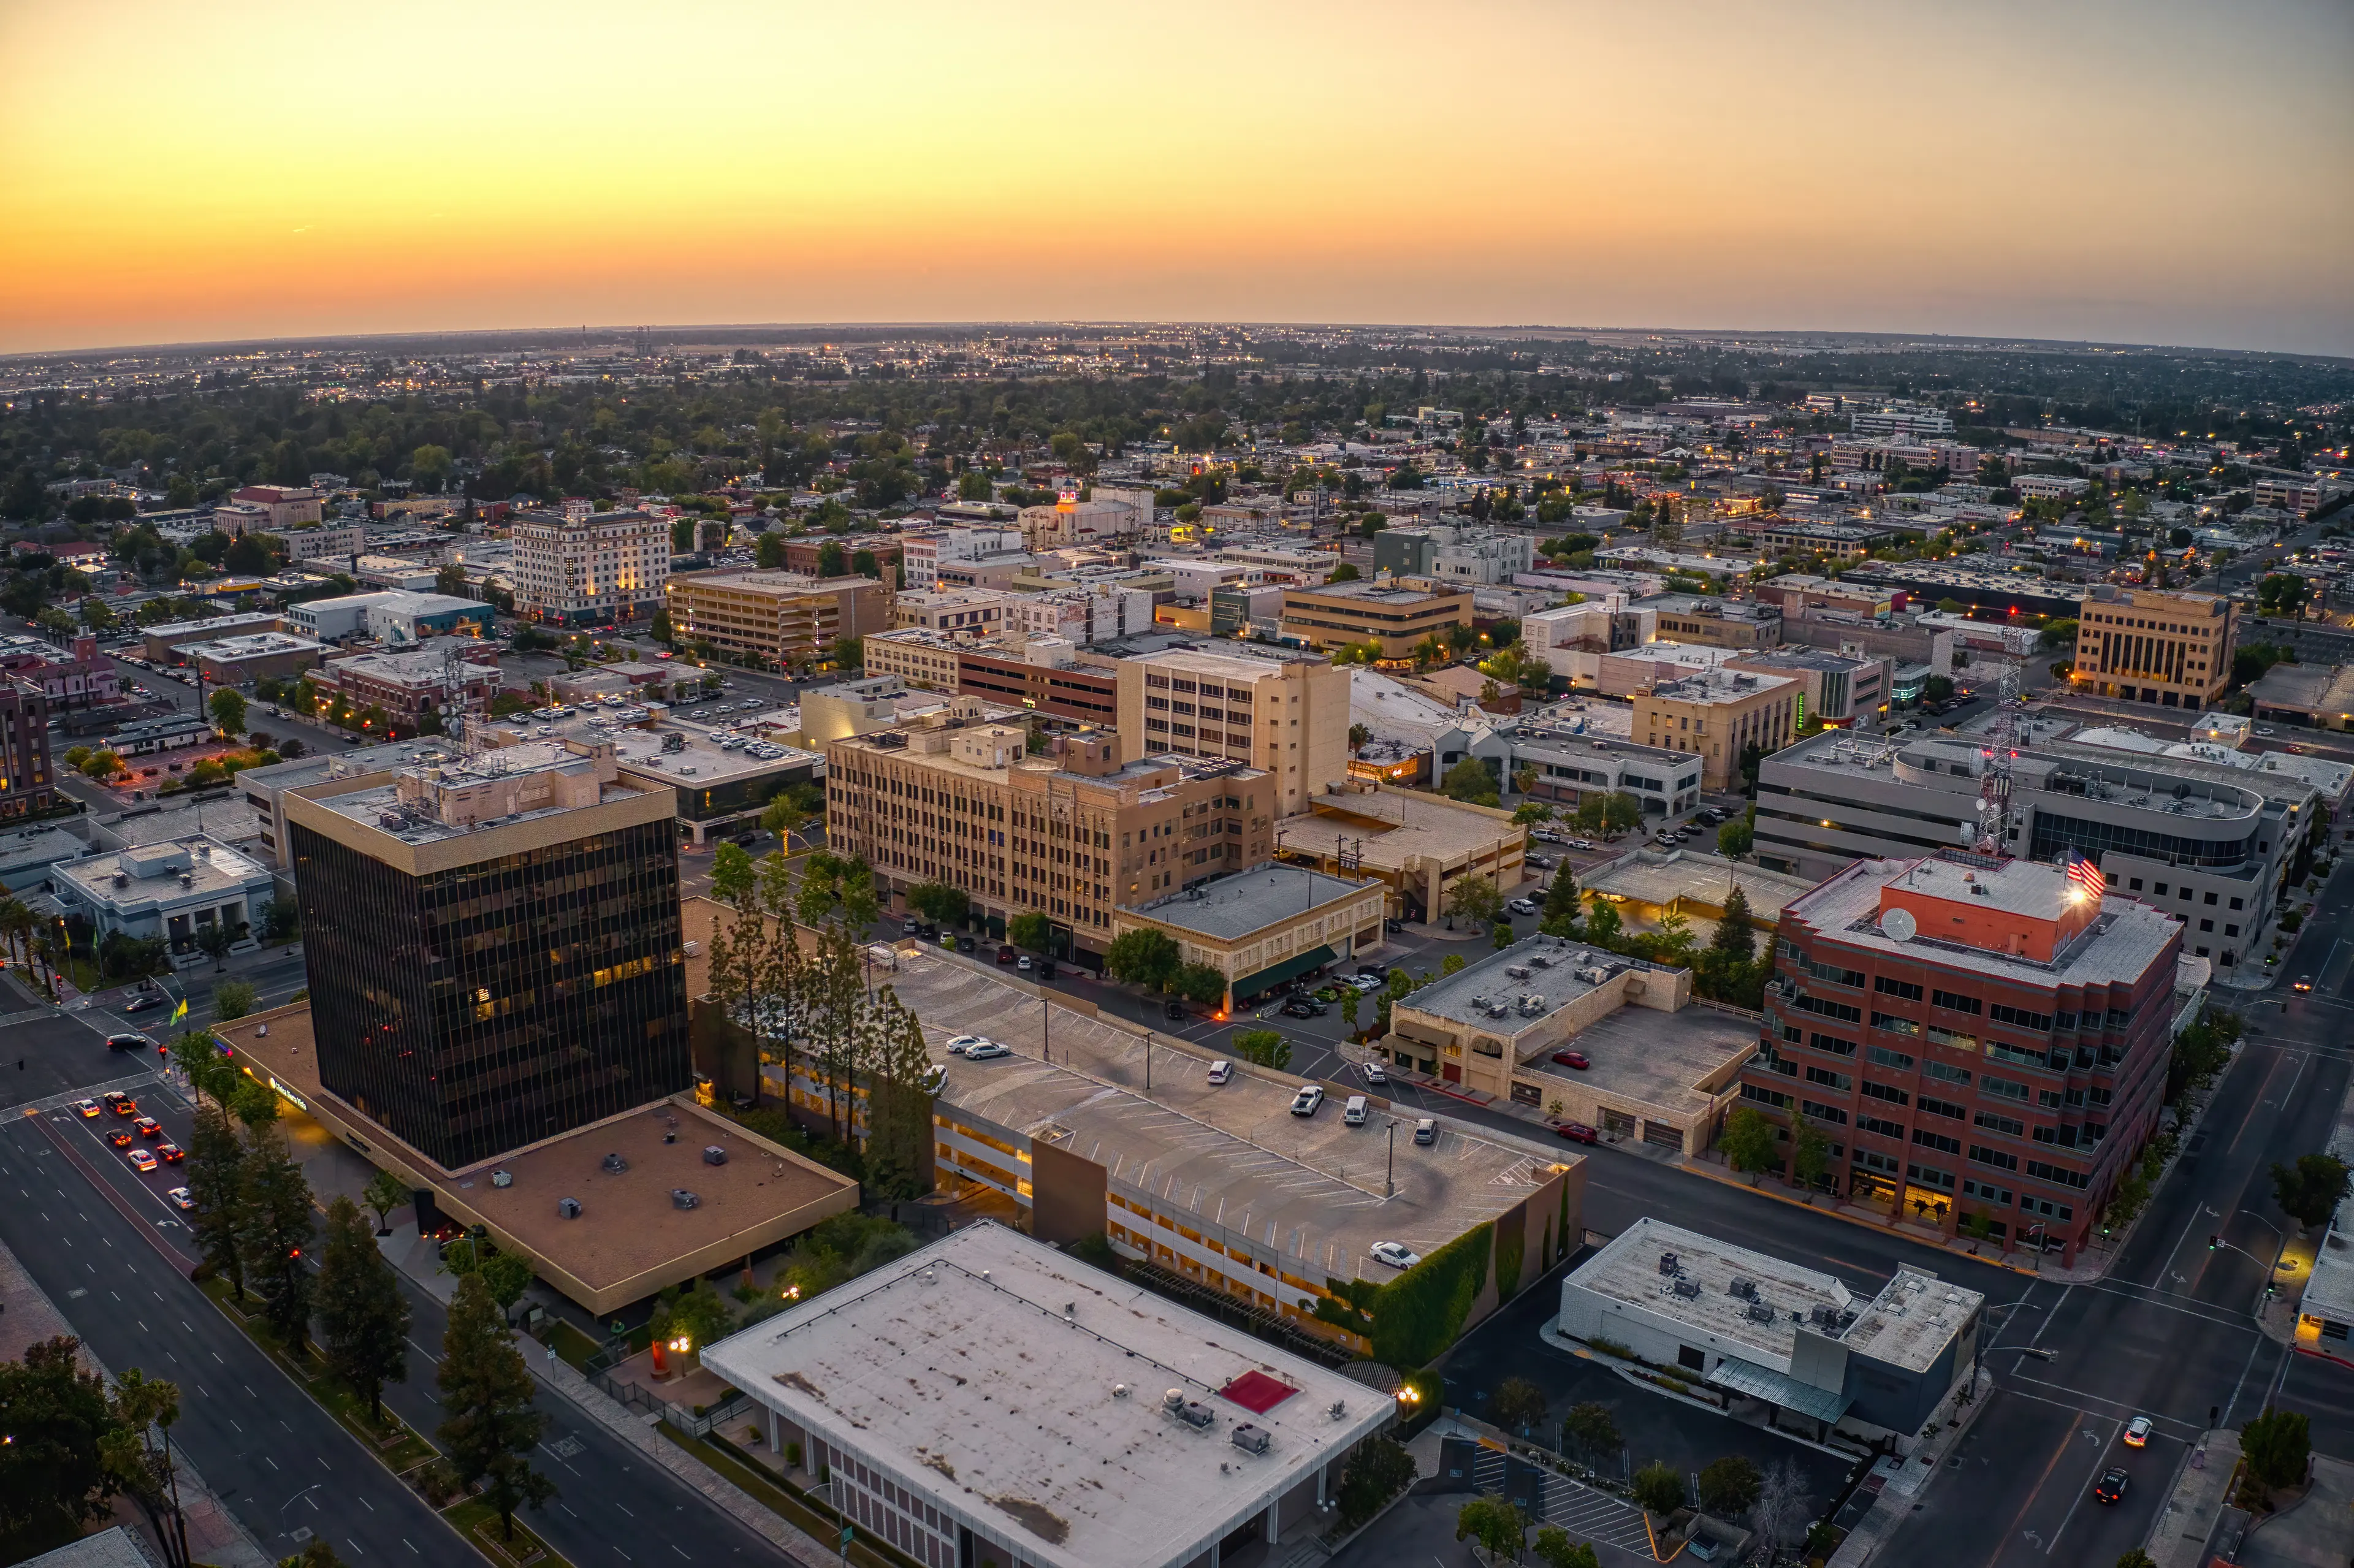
x: 2178, y: 1536
x: 1899, y: 1481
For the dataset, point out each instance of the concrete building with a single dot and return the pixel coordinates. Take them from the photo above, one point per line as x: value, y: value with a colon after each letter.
x: 1840, y: 690
x: 920, y: 658
x: 1975, y: 1035
x: 2152, y: 646
x: 1800, y: 595
x: 952, y: 612
x: 282, y: 506
x: 261, y: 655
x: 923, y: 552
x: 1984, y: 594
x: 1108, y: 1427
x: 1839, y: 541
x: 169, y: 891
x: 1074, y: 834
x: 582, y: 567
x: 330, y: 547
x: 1707, y: 621
x: 390, y: 615
x: 1420, y: 845
x: 1717, y: 715
x: 1287, y: 718
x: 1579, y: 749
x: 1390, y: 617
x: 2209, y: 841
x: 1044, y: 677
x: 1107, y: 514
x: 1764, y: 1332
x: 1266, y: 926
x: 782, y: 617
x: 265, y: 788
x: 166, y: 639
x: 1573, y: 638
x: 1454, y: 554
x: 2320, y: 696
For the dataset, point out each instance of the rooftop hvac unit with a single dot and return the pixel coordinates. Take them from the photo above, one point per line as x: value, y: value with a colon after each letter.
x: 1195, y: 1413
x: 1669, y: 1263
x: 714, y: 1155
x: 1594, y: 976
x: 613, y: 1165
x: 1819, y: 1315
x: 1759, y: 1313
x: 1531, y: 1003
x: 1251, y: 1439
x: 122, y: 879
x: 680, y: 1198
x: 1538, y: 961
x: 1517, y: 971
x: 1688, y: 1288
x: 1744, y: 1288
x: 568, y: 1208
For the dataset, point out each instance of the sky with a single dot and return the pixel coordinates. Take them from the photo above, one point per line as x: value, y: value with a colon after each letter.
x: 2145, y: 171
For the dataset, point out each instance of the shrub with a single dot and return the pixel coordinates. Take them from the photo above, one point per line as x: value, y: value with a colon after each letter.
x: 1376, y: 1473
x: 1658, y: 1487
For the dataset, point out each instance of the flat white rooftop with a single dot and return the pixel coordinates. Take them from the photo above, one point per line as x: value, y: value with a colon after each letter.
x: 1024, y: 1394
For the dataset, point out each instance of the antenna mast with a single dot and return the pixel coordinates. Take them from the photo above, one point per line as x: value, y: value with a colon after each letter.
x: 1994, y: 780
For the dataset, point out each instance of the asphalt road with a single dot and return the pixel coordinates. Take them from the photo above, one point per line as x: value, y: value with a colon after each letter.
x: 101, y: 1240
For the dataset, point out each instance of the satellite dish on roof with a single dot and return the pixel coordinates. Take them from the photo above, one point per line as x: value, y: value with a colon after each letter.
x: 1898, y: 925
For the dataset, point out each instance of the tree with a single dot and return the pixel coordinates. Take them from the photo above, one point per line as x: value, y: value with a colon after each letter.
x: 363, y: 1316
x: 1350, y: 1002
x: 1377, y: 1471
x: 1784, y: 1507
x: 1494, y: 1524
x: 492, y: 1424
x: 1264, y: 1047
x: 217, y: 1182
x: 1475, y: 898
x: 2311, y: 1190
x: 1937, y: 689
x: 451, y: 581
x: 102, y: 764
x: 2283, y: 593
x: 1470, y: 782
x: 231, y: 1000
x: 384, y: 1193
x: 1202, y: 984
x: 769, y: 552
x: 1810, y: 1154
x: 1344, y: 573
x: 2059, y: 631
x: 2276, y: 1445
x: 1621, y: 809
x: 1590, y: 1426
x: 1555, y: 1549
x: 276, y: 1228
x: 1030, y: 929
x: 214, y: 940
x: 939, y: 902
x: 139, y: 1408
x: 53, y: 1472
x: 1736, y: 839
x: 1749, y: 1143
x: 1735, y: 938
x: 430, y: 466
x: 2135, y: 1557
x: 1143, y: 957
x: 1517, y: 1405
x: 1562, y: 907
x: 316, y: 1553
x: 1728, y: 1486
x: 1659, y: 1489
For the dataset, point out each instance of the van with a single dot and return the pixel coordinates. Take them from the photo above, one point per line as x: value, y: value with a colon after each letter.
x: 1354, y: 1113
x: 1426, y: 1130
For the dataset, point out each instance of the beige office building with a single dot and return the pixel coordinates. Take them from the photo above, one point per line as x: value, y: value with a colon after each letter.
x: 1341, y: 615
x: 1716, y: 715
x: 1286, y: 717
x: 787, y: 618
x: 2149, y: 646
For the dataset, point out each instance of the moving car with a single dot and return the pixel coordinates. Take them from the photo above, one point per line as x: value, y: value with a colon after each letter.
x: 87, y: 1107
x: 1377, y: 1074
x: 1572, y: 1059
x: 1542, y: 861
x: 119, y: 1103
x: 2304, y: 982
x: 2137, y: 1431
x: 128, y: 1042
x: 987, y: 1050
x: 148, y: 1126
x: 1221, y: 1071
x: 2111, y: 1487
x: 144, y: 1000
x: 1522, y: 905
x: 1305, y: 1102
x: 119, y: 1137
x: 1304, y: 1007
x: 170, y: 1153
x: 181, y: 1199
x: 960, y: 1043
x: 1582, y: 843
x: 142, y: 1162
x: 1394, y: 1254
x: 1575, y: 1131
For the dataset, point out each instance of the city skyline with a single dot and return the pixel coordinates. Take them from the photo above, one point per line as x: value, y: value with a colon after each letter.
x: 2156, y: 173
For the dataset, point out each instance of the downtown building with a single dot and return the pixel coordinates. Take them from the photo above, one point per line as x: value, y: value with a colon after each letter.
x: 2147, y: 646
x: 1975, y: 1036
x: 1286, y: 717
x: 584, y: 567
x: 493, y: 946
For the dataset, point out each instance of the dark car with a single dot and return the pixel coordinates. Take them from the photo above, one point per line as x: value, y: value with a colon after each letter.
x: 1304, y: 1007
x: 127, y: 1042
x: 2111, y: 1487
x: 1175, y: 1010
x: 1575, y: 1131
x: 965, y: 944
x: 144, y: 1000
x: 1046, y: 971
x: 1572, y: 1059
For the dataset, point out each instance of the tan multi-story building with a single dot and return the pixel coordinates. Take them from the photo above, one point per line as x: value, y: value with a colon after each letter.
x: 785, y: 618
x: 1340, y: 615
x: 920, y: 658
x: 1074, y: 833
x: 1716, y: 715
x: 2147, y: 645
x: 960, y: 612
x: 1288, y: 717
x: 579, y: 567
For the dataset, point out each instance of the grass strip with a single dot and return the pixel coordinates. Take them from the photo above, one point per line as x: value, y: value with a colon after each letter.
x: 819, y: 1522
x: 478, y: 1521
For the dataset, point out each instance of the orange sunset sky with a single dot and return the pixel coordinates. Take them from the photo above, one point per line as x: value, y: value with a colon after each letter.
x: 2149, y: 171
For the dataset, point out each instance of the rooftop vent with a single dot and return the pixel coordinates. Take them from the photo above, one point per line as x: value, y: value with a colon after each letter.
x: 1339, y: 1411
x: 1669, y: 1263
x: 1517, y: 971
x: 1251, y: 1439
x: 714, y: 1155
x: 1119, y: 1391
x: 613, y: 1165
x: 568, y: 1208
x: 680, y: 1198
x: 501, y: 1179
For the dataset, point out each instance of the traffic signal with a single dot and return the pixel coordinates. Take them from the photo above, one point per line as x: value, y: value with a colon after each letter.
x: 2213, y: 1242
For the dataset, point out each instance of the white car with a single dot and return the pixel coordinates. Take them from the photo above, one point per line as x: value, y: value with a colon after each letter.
x: 1581, y: 843
x: 1523, y: 906
x: 988, y: 1050
x: 1366, y: 982
x: 961, y: 1044
x: 1307, y: 1100
x: 1376, y: 1075
x: 1395, y: 1255
x: 1220, y: 1072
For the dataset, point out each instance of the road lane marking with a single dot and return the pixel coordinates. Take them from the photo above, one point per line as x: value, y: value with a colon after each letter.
x: 2020, y: 1517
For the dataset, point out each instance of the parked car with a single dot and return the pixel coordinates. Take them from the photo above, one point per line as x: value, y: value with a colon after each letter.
x: 1393, y: 1254
x: 1306, y: 1101
x: 1582, y: 845
x: 1376, y: 1075
x: 1575, y: 1131
x: 1355, y: 1111
x: 987, y: 1050
x: 1542, y: 861
x: 1522, y: 905
x: 960, y: 1043
x: 1175, y: 1010
x: 1572, y: 1059
x: 1425, y: 1131
x: 1304, y: 1007
x: 966, y: 944
x: 1004, y: 953
x: 1024, y: 964
x: 1221, y: 1072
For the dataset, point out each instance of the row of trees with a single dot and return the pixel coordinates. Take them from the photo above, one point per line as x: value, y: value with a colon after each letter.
x: 788, y: 967
x: 253, y: 1225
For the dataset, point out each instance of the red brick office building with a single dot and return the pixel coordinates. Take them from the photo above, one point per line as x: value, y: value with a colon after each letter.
x: 1975, y: 1036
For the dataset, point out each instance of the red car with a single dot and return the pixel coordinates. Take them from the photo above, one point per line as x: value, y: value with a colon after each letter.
x: 1575, y: 1131
x: 1572, y: 1059
x: 148, y: 1126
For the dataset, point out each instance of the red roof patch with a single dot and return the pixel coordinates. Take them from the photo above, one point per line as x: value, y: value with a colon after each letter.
x: 1257, y: 1392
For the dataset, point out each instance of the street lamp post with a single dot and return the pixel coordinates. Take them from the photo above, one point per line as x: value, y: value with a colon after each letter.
x: 1389, y: 1170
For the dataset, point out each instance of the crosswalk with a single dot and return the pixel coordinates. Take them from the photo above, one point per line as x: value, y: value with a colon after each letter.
x: 1586, y: 1514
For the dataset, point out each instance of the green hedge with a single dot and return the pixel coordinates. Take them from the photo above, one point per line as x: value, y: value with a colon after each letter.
x: 1417, y: 1315
x: 1511, y: 1247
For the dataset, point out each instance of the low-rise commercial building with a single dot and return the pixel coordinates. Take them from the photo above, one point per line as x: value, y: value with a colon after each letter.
x: 1266, y: 926
x: 172, y: 892
x: 1455, y: 554
x: 1707, y: 621
x: 2320, y: 696
x: 1388, y: 616
x: 1578, y: 749
x: 1717, y: 715
x: 443, y: 683
x: 257, y: 656
x: 1418, y: 844
x: 1840, y: 541
x: 1764, y: 1331
x: 2151, y: 646
x: 1983, y: 593
x: 952, y: 612
x: 390, y: 615
x: 780, y: 618
x: 166, y: 639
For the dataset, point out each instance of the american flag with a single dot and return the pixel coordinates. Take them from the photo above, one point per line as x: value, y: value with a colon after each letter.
x: 2085, y: 875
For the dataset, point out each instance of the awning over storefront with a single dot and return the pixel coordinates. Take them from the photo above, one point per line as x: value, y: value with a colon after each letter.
x: 1779, y: 1388
x: 1291, y: 968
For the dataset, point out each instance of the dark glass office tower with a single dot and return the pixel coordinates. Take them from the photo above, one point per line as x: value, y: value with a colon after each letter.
x: 479, y: 989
